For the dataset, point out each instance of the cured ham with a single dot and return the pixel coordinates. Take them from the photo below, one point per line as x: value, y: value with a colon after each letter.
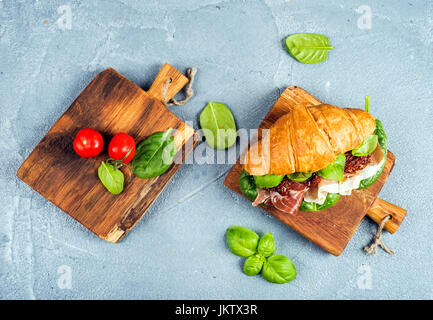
x: 288, y: 203
x: 287, y: 196
x: 262, y: 196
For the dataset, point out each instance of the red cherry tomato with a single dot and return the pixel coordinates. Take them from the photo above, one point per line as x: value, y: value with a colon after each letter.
x: 119, y: 147
x: 88, y: 143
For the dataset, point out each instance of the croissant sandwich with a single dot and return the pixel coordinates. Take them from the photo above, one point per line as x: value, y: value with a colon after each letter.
x: 313, y: 155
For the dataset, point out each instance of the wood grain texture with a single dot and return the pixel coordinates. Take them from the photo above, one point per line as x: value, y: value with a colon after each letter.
x: 110, y: 104
x: 381, y: 208
x: 176, y: 79
x: 332, y: 228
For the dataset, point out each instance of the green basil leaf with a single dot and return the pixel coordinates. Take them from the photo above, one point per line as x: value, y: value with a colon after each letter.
x: 331, y: 199
x: 248, y: 186
x: 111, y: 177
x: 308, y: 48
x: 367, y: 146
x: 279, y: 269
x: 253, y: 265
x: 218, y: 125
x: 266, y: 245
x: 268, y: 180
x: 154, y: 155
x: 335, y: 170
x: 299, y: 176
x: 242, y: 241
x: 383, y: 143
x: 381, y: 135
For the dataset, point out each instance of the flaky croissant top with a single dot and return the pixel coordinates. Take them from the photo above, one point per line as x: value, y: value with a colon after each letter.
x: 308, y: 139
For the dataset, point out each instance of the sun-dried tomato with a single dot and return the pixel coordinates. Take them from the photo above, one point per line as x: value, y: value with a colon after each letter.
x: 354, y: 163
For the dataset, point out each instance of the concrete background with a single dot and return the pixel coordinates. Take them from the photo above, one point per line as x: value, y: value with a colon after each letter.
x: 178, y: 250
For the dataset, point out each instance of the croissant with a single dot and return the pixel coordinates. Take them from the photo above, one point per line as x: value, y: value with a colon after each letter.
x: 308, y: 139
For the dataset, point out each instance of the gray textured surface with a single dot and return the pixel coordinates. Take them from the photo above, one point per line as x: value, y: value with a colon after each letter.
x: 178, y: 250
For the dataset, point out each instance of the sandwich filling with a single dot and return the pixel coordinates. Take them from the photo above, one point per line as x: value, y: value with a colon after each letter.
x: 288, y: 195
x: 356, y: 169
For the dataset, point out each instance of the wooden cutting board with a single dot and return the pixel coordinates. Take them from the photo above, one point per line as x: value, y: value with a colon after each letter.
x: 109, y: 104
x: 332, y: 228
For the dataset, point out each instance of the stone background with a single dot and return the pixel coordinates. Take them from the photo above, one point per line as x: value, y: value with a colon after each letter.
x: 178, y: 250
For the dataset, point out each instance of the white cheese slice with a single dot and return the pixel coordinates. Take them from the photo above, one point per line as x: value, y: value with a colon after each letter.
x: 318, y: 193
x: 350, y: 182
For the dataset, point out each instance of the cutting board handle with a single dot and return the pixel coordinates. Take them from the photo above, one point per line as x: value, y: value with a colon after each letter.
x: 177, y: 82
x: 381, y: 208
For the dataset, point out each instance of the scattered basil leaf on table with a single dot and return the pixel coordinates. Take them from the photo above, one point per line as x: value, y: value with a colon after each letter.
x: 367, y: 146
x: 331, y: 199
x: 266, y: 245
x: 335, y: 170
x: 279, y: 269
x: 253, y: 265
x: 383, y: 143
x: 242, y: 241
x: 218, y: 125
x: 268, y: 180
x: 248, y: 186
x: 299, y: 176
x: 308, y: 48
x: 111, y: 177
x: 154, y: 155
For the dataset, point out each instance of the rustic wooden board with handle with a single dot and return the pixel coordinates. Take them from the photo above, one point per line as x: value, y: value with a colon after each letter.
x: 110, y: 104
x: 332, y: 228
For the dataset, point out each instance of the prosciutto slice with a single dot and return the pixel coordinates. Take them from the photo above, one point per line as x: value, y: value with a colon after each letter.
x: 263, y: 196
x: 287, y: 196
x: 288, y: 203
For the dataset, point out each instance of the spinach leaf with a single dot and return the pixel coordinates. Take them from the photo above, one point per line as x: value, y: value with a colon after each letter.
x: 383, y: 143
x: 218, y: 125
x: 331, y: 199
x: 279, y: 269
x: 242, y: 241
x: 308, y: 48
x: 253, y: 265
x: 154, y: 155
x: 248, y: 186
x: 299, y: 176
x: 111, y: 177
x: 367, y: 146
x: 266, y: 245
x: 268, y: 180
x: 335, y: 170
